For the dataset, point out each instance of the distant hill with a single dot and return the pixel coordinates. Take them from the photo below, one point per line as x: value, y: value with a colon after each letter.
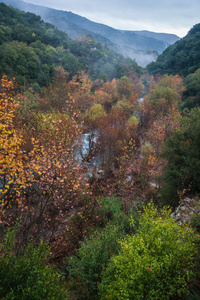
x: 181, y: 58
x: 31, y: 49
x: 143, y: 46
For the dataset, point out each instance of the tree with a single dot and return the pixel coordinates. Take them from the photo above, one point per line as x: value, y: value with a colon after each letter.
x: 114, y: 136
x: 166, y: 93
x: 181, y: 150
x: 94, y: 115
x: 79, y: 88
x: 85, y: 267
x: 27, y: 274
x: 191, y: 94
x: 106, y: 95
x: 12, y: 171
x: 156, y: 263
x: 180, y: 58
x: 56, y: 93
x: 124, y: 87
x: 158, y: 117
x: 40, y: 177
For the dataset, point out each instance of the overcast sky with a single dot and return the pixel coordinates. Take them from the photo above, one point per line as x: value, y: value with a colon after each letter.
x: 170, y: 16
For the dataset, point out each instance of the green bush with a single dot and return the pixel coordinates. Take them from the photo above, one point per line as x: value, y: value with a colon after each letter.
x: 156, y: 263
x: 111, y: 212
x: 27, y: 276
x: 84, y: 269
x: 195, y: 286
x: 195, y: 219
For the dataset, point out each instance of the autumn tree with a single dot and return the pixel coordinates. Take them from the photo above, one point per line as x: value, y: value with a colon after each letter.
x: 158, y: 117
x: 124, y: 87
x: 165, y: 99
x: 12, y: 171
x: 42, y: 182
x: 93, y: 116
x: 56, y: 93
x: 106, y: 95
x: 79, y: 88
x: 114, y: 135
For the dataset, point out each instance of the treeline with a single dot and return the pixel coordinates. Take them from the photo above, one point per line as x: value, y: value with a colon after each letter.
x: 30, y: 49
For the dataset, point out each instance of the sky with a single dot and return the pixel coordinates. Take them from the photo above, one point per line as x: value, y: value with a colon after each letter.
x: 169, y: 16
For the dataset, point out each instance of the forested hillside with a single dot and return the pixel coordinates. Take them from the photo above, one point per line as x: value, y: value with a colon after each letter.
x: 181, y: 58
x: 99, y: 170
x: 143, y: 46
x: 30, y: 49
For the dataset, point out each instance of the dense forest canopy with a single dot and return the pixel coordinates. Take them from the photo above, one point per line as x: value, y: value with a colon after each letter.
x: 181, y: 58
x: 143, y: 46
x: 30, y: 49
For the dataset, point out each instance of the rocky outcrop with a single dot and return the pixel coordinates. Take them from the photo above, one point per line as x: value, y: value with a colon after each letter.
x: 187, y: 209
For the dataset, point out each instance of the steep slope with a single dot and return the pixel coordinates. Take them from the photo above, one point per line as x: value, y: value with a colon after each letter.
x: 143, y: 46
x: 31, y: 49
x: 181, y: 58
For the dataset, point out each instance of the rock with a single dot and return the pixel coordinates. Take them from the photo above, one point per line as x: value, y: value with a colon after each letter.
x: 153, y: 184
x: 178, y: 217
x: 100, y: 174
x: 185, y: 211
x: 129, y: 178
x: 183, y: 208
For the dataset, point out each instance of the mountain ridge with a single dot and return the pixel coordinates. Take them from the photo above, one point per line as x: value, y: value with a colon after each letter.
x: 143, y: 46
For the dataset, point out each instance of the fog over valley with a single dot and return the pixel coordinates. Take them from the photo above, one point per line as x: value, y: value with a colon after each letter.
x: 172, y: 16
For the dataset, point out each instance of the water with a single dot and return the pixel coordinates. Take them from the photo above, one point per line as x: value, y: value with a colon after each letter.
x: 87, y: 150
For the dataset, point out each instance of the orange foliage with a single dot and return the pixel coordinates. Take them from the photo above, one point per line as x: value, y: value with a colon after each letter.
x: 114, y: 136
x: 162, y: 126
x: 106, y: 95
x: 43, y: 183
x: 79, y: 88
x: 56, y: 93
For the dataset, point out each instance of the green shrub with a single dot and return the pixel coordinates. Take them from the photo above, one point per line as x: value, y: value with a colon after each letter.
x: 27, y: 276
x: 156, y: 263
x: 84, y: 269
x: 111, y: 212
x: 195, y: 286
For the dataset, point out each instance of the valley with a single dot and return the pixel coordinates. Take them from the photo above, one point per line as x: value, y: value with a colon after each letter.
x: 99, y: 159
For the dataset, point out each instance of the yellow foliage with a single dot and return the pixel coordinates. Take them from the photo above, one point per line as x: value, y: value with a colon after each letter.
x: 11, y: 162
x: 94, y: 114
x: 133, y: 121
